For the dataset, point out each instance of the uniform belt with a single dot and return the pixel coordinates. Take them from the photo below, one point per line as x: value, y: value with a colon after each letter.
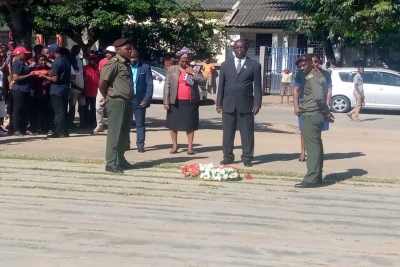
x: 118, y: 97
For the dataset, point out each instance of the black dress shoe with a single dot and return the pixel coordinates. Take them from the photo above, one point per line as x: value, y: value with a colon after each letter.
x: 141, y: 150
x: 226, y: 162
x: 247, y: 163
x: 306, y: 185
x: 114, y: 169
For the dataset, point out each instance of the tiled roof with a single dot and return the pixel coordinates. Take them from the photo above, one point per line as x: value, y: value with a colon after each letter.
x: 264, y: 14
x: 212, y: 5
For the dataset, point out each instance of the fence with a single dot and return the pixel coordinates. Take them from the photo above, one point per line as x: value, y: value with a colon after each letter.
x: 276, y: 60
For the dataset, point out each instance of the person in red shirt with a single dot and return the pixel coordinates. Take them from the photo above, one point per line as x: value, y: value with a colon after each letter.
x: 110, y: 52
x: 92, y: 78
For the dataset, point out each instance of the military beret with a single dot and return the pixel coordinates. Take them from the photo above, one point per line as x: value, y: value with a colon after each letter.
x: 120, y: 42
x: 304, y: 57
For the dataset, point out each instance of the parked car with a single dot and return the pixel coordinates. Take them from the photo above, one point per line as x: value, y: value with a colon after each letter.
x: 158, y: 82
x: 381, y: 89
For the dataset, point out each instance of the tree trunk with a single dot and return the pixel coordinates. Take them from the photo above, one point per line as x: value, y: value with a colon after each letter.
x: 20, y: 20
x: 329, y: 51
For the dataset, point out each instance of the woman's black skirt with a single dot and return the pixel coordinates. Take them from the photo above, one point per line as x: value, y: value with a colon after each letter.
x: 183, y: 116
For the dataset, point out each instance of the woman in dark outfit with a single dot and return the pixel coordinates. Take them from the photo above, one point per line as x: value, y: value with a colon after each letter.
x: 40, y: 109
x: 181, y: 99
x: 20, y: 90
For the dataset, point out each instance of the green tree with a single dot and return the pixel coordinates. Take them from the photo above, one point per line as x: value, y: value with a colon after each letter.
x: 85, y: 21
x: 351, y: 22
x: 19, y: 16
x: 174, y: 28
x: 153, y: 25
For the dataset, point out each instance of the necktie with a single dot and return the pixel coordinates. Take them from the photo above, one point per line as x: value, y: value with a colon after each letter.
x: 239, y: 66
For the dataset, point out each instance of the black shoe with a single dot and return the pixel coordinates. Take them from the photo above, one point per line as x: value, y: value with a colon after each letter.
x: 226, y: 162
x: 247, y: 163
x: 307, y: 185
x: 141, y: 150
x: 114, y: 169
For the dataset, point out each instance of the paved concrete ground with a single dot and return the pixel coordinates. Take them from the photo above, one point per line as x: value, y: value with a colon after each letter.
x: 70, y: 214
x: 371, y: 148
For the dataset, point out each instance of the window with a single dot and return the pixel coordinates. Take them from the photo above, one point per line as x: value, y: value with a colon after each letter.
x: 390, y: 79
x: 346, y: 76
x: 263, y: 40
x: 370, y: 77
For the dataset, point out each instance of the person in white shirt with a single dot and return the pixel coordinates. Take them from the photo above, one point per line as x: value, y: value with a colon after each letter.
x: 285, y: 84
x: 358, y: 93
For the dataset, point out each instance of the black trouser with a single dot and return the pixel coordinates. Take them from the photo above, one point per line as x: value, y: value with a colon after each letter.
x: 40, y: 117
x: 246, y: 128
x: 60, y: 108
x: 90, y: 112
x: 20, y: 110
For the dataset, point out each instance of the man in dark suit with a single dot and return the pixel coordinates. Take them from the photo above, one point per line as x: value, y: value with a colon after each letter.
x: 239, y: 101
x: 143, y: 93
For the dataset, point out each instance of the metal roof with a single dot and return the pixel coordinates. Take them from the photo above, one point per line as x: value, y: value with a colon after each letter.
x: 275, y: 14
x: 212, y: 5
x: 264, y: 14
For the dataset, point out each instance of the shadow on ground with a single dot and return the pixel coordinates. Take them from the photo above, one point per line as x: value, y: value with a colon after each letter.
x: 342, y: 176
x: 378, y: 111
x: 176, y: 160
x: 153, y: 124
x: 14, y: 140
x: 261, y: 159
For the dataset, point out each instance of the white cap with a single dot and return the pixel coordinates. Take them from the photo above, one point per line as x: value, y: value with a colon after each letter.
x: 193, y: 63
x: 110, y: 48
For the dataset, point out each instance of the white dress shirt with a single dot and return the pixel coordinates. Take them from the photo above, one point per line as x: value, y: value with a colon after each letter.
x: 241, y: 62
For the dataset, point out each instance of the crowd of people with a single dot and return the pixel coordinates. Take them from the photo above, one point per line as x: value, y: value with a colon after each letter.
x: 39, y: 89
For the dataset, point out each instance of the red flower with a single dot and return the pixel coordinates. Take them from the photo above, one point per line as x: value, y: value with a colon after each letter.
x: 249, y: 176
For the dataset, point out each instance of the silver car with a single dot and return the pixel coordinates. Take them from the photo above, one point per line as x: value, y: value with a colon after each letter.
x: 158, y: 83
x: 381, y: 89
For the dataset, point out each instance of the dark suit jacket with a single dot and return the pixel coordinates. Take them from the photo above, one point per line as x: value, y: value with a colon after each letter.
x: 237, y: 90
x: 171, y: 86
x: 144, y: 84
